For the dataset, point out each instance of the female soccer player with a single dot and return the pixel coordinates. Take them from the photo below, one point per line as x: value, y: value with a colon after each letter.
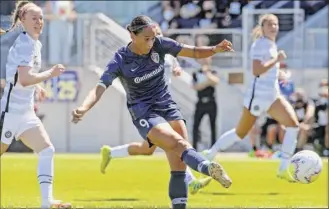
x: 263, y: 95
x: 140, y: 67
x: 171, y: 66
x: 18, y: 118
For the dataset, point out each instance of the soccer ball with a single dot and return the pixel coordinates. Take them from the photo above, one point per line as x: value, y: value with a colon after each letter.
x: 305, y: 166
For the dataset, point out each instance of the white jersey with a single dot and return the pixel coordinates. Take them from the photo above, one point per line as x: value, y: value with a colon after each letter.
x: 263, y: 90
x: 24, y: 52
x: 170, y: 64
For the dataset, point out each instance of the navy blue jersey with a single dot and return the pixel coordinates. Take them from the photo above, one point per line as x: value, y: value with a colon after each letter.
x: 142, y: 76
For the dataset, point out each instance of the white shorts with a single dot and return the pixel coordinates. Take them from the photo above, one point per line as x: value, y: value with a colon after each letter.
x: 258, y: 105
x: 12, y: 125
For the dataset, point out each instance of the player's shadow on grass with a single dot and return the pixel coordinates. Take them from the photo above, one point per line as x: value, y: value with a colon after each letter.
x: 232, y: 193
x: 109, y: 200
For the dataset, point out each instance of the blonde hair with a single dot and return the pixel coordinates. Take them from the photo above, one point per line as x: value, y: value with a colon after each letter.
x: 17, y: 14
x: 258, y: 31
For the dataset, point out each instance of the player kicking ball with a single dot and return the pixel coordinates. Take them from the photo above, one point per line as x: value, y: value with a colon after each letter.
x: 142, y: 148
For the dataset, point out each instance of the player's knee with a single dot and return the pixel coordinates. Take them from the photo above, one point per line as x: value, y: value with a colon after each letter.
x: 4, y: 148
x: 241, y: 133
x: 293, y: 123
x: 182, y: 144
x: 48, y: 151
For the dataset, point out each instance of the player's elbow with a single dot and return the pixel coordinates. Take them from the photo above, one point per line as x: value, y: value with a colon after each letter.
x: 98, y: 91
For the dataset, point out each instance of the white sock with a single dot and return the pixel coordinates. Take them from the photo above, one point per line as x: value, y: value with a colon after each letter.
x: 120, y: 151
x: 288, y: 146
x: 45, y: 175
x: 189, y: 176
x: 223, y: 142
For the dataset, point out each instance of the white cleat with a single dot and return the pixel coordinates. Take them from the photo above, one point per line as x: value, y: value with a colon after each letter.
x: 217, y: 172
x: 284, y: 174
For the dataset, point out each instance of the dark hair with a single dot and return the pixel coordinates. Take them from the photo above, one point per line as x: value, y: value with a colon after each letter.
x: 15, y: 16
x: 139, y: 23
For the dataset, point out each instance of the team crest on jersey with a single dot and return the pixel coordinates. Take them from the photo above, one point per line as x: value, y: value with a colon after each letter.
x: 155, y: 57
x: 8, y: 134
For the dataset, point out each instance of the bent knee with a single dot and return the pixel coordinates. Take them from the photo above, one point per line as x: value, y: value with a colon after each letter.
x: 180, y: 144
x: 292, y: 123
x: 241, y: 133
x: 48, y: 151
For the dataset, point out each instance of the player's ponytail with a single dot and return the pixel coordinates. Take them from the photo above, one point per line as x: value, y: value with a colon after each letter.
x: 257, y: 32
x: 2, y: 31
x: 17, y: 14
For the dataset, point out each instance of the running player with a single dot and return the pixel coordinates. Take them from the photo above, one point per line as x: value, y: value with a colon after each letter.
x: 140, y: 67
x: 171, y: 66
x: 18, y: 119
x: 263, y: 95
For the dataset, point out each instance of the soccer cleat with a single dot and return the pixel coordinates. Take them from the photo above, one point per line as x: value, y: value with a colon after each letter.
x: 106, y: 157
x: 252, y: 153
x: 57, y: 204
x: 263, y: 154
x: 197, y: 184
x: 284, y: 174
x: 217, y: 172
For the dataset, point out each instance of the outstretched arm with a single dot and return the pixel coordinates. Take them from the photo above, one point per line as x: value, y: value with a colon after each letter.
x: 170, y: 46
x: 199, y: 52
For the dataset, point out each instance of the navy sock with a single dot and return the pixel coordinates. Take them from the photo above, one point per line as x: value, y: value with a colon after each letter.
x: 178, y: 190
x: 196, y: 161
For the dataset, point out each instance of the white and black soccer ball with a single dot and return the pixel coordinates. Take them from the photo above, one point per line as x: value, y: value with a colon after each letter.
x: 305, y: 166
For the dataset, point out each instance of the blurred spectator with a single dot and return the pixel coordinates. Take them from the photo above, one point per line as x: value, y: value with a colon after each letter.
x: 208, y: 15
x: 320, y: 133
x: 202, y: 13
x: 61, y: 16
x: 202, y: 40
x: 235, y: 7
x: 272, y: 131
x: 168, y: 15
x: 305, y: 111
x: 204, y: 82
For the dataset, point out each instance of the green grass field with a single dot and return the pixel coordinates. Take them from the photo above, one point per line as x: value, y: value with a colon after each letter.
x: 143, y: 182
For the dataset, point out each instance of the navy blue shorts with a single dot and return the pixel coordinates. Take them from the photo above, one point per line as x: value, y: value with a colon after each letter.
x: 154, y: 117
